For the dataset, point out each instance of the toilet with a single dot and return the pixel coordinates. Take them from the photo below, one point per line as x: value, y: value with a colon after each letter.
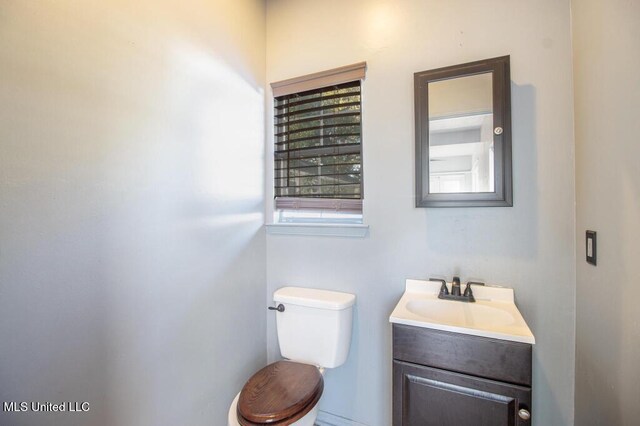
x: 314, y: 333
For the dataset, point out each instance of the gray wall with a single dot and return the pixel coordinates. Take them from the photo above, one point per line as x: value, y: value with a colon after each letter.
x: 530, y: 247
x: 607, y: 104
x: 132, y: 260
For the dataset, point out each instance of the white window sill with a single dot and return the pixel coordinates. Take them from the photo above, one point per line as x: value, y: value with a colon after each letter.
x: 319, y: 229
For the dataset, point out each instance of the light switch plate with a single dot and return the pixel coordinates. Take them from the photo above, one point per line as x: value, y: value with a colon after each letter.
x: 591, y: 247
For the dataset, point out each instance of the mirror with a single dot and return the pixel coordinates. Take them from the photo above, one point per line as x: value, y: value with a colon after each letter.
x: 463, y: 135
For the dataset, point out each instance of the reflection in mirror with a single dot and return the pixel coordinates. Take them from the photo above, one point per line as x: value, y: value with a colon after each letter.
x: 461, y: 151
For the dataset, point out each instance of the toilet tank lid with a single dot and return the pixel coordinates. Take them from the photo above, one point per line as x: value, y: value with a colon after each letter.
x: 314, y: 298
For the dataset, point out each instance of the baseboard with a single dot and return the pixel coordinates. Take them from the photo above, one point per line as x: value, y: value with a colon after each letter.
x: 328, y: 419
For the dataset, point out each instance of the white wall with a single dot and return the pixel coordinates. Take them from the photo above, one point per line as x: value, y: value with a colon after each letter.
x: 607, y: 103
x: 530, y: 247
x: 132, y: 259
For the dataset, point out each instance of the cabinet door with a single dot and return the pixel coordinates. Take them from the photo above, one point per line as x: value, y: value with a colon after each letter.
x: 424, y: 396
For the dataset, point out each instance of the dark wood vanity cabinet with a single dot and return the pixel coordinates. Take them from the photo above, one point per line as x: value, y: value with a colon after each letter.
x: 442, y: 378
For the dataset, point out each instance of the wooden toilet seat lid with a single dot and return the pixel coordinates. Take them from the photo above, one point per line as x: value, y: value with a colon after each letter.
x: 280, y: 394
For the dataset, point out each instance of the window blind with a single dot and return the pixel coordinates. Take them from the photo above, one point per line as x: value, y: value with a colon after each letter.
x: 318, y: 149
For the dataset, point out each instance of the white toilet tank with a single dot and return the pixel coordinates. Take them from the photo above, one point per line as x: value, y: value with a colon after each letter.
x: 315, y: 326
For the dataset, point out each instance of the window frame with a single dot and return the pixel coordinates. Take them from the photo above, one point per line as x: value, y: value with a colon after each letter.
x: 328, y: 210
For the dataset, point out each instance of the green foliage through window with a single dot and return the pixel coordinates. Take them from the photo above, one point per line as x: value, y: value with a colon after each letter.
x: 318, y: 137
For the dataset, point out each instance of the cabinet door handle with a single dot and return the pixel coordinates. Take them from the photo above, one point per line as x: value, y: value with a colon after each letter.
x: 524, y: 414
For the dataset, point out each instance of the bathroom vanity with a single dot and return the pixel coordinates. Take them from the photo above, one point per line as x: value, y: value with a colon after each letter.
x: 457, y: 363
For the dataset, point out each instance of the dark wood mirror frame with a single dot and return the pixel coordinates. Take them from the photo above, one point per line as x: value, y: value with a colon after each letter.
x: 503, y: 195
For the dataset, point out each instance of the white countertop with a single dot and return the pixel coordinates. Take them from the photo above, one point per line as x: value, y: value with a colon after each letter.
x: 494, y: 314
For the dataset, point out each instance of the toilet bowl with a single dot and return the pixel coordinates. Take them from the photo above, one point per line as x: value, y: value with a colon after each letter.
x: 314, y: 333
x: 307, y: 418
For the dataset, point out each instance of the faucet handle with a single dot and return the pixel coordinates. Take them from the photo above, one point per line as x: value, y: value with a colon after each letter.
x: 468, y: 292
x: 443, y: 288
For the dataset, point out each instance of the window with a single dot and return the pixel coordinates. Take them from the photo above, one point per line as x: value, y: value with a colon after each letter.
x: 318, y: 147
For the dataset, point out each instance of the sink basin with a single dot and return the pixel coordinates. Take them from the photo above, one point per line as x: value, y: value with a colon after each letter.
x: 493, y: 315
x: 450, y: 312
